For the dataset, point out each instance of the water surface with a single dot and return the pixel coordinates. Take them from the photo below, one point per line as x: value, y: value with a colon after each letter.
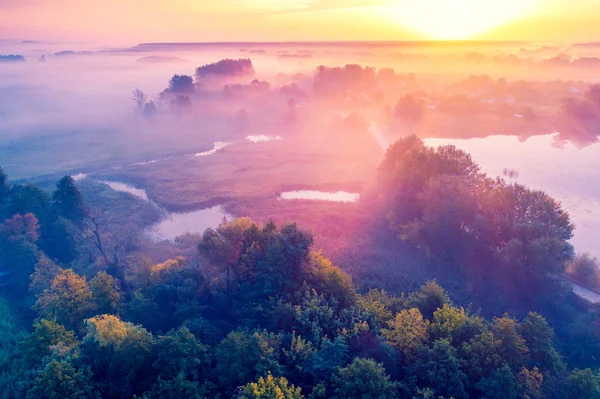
x: 177, y: 224
x: 340, y: 196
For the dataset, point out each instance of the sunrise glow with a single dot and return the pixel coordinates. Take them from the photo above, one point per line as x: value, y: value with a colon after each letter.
x: 458, y: 19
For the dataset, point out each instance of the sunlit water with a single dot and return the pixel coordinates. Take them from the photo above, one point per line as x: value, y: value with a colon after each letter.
x: 340, y: 196
x: 569, y: 174
x: 126, y: 188
x: 177, y: 224
x: 262, y: 138
x: 219, y: 145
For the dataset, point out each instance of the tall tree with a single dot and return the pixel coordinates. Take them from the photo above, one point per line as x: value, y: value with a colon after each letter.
x: 68, y: 301
x: 269, y: 388
x: 362, y: 379
x: 4, y: 187
x: 68, y: 201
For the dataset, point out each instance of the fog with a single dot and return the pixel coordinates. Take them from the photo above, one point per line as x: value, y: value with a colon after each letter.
x: 278, y: 118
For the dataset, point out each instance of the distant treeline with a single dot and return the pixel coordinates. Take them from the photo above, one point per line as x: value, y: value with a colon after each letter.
x: 11, y: 58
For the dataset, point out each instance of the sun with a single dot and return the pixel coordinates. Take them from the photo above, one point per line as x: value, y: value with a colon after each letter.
x: 457, y: 19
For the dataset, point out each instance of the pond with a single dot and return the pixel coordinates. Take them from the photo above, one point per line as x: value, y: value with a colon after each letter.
x: 177, y: 224
x: 340, y: 196
x: 565, y: 172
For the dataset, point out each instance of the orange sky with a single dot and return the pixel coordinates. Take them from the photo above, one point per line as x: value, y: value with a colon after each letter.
x: 132, y: 21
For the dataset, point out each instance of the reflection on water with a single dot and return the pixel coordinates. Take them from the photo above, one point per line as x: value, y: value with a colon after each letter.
x: 195, y: 222
x: 567, y: 173
x: 262, y: 138
x: 126, y: 188
x: 219, y: 145
x: 340, y: 196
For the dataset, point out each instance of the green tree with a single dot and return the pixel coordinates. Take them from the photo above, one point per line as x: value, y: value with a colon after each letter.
x: 269, y: 388
x: 407, y: 333
x: 106, y: 293
x: 68, y: 201
x: 330, y: 280
x: 330, y: 356
x: 440, y: 369
x: 176, y: 388
x: 539, y: 339
x: 68, y: 301
x: 513, y: 349
x: 482, y: 356
x: 45, y: 335
x: 582, y: 384
x: 429, y: 298
x: 501, y: 384
x: 584, y: 270
x: 242, y: 357
x: 4, y: 187
x: 455, y: 325
x: 120, y: 355
x: 59, y: 379
x: 362, y: 379
x: 179, y: 352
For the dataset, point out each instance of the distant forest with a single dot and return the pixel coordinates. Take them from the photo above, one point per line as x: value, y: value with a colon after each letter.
x: 256, y: 312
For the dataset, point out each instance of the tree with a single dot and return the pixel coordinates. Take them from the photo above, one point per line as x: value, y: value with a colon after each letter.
x: 269, y: 388
x: 330, y: 280
x: 106, y: 293
x: 500, y: 385
x: 120, y: 354
x: 482, y: 356
x: 331, y: 356
x: 430, y: 298
x: 45, y: 335
x: 149, y: 109
x: 181, y: 84
x: 584, y: 270
x: 139, y: 97
x: 409, y: 109
x: 68, y: 201
x: 455, y: 325
x: 4, y: 187
x: 28, y: 198
x: 539, y: 339
x: 530, y: 383
x: 176, y: 388
x: 513, y: 349
x: 243, y: 357
x: 439, y: 368
x: 68, y: 300
x: 180, y: 353
x: 21, y: 226
x: 407, y: 333
x: 362, y: 379
x: 582, y: 384
x: 59, y: 379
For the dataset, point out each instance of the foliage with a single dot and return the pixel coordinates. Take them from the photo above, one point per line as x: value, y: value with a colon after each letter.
x: 68, y: 300
x: 362, y: 379
x: 269, y: 388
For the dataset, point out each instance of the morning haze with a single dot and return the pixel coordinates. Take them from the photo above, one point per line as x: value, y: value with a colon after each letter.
x: 299, y: 199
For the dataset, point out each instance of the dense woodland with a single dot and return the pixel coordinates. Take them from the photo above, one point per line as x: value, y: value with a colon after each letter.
x: 258, y: 313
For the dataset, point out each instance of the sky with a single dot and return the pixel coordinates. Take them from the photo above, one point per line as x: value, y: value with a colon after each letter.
x: 135, y: 21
